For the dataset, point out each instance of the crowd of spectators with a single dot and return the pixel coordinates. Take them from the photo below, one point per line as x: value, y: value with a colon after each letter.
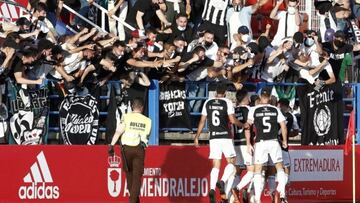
x: 176, y: 40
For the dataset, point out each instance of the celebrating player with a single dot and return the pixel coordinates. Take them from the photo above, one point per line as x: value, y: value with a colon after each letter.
x: 266, y: 118
x: 219, y: 111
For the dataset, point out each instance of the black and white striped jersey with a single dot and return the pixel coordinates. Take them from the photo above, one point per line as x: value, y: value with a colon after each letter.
x: 215, y: 11
x: 217, y: 111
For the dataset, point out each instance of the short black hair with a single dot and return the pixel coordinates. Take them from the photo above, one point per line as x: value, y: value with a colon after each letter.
x: 151, y: 30
x: 179, y: 38
x: 284, y: 102
x: 29, y: 52
x: 181, y: 15
x: 199, y: 49
x: 44, y: 44
x: 241, y: 94
x: 41, y: 7
x: 137, y: 103
x: 221, y: 88
x: 119, y: 43
x: 298, y: 37
x: 209, y: 32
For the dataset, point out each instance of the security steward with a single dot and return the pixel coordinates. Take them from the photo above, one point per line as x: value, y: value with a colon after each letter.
x: 134, y: 130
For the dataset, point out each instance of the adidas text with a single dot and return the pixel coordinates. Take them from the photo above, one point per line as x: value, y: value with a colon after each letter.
x: 41, y: 191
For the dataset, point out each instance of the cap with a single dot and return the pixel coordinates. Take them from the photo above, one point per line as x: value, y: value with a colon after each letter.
x: 266, y: 91
x: 243, y: 30
x: 23, y: 21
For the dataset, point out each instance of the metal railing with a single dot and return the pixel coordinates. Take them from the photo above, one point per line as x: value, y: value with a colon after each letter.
x: 153, y: 104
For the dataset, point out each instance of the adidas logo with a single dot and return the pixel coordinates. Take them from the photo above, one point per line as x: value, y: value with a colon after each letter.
x: 39, y: 177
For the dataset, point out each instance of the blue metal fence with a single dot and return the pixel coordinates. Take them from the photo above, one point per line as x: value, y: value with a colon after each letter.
x: 153, y: 104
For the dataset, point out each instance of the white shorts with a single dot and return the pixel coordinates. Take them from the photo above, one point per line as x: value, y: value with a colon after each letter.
x: 266, y: 148
x: 221, y: 146
x: 243, y: 158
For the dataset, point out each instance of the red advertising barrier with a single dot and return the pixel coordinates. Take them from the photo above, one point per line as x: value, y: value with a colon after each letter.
x: 172, y: 174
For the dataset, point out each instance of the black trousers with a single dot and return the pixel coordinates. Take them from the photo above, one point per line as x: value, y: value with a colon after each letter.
x: 134, y: 157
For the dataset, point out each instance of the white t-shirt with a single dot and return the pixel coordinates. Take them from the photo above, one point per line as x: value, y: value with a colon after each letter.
x: 291, y: 27
x: 314, y: 61
x: 210, y: 51
x: 71, y: 63
x: 236, y: 19
x: 273, y: 69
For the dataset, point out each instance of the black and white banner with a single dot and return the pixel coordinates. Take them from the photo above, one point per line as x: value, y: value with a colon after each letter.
x: 322, y: 115
x: 174, y: 112
x: 79, y: 120
x: 121, y: 104
x: 29, y: 123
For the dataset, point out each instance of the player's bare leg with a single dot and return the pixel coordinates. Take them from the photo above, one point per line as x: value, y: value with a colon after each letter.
x: 246, y: 179
x: 227, y: 178
x: 258, y: 182
x: 281, y: 177
x: 214, y: 174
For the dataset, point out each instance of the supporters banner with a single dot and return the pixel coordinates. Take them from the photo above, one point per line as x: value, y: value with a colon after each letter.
x: 322, y: 113
x: 79, y: 120
x: 171, y: 174
x: 174, y: 112
x: 28, y: 123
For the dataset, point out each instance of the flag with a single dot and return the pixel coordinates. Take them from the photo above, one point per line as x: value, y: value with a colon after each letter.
x: 350, y: 133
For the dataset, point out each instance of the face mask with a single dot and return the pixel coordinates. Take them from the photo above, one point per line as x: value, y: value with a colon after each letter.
x: 339, y: 43
x: 309, y: 42
x: 179, y: 50
x: 245, y: 38
x: 291, y: 10
x: 208, y: 44
x: 41, y: 18
x: 181, y: 28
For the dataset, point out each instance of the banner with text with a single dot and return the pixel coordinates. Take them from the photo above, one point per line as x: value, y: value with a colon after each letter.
x: 79, y: 120
x: 30, y: 112
x: 174, y: 112
x: 172, y: 174
x: 325, y: 110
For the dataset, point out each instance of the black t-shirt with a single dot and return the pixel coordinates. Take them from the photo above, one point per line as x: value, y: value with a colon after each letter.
x: 217, y: 112
x: 265, y: 118
x: 144, y: 6
x: 207, y: 62
x: 241, y: 114
x: 336, y: 56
